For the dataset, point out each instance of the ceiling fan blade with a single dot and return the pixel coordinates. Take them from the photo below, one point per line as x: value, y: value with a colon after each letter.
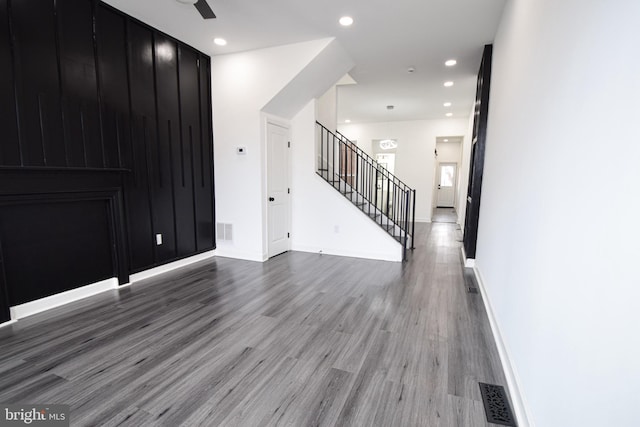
x: 204, y: 9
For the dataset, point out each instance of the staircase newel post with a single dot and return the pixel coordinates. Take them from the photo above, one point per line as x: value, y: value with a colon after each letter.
x: 413, y: 221
x: 406, y: 223
x: 375, y: 197
x: 320, y: 166
x: 388, y: 187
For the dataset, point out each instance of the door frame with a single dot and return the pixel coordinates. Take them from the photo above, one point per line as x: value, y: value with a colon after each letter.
x: 455, y: 183
x: 267, y: 120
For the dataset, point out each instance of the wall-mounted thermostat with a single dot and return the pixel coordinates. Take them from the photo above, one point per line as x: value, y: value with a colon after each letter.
x: 241, y: 150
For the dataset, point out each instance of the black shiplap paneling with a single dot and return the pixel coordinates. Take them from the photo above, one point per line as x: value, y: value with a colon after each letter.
x: 114, y: 86
x: 38, y: 82
x: 79, y: 83
x: 164, y: 151
x: 87, y: 93
x: 203, y: 176
x: 10, y: 146
x: 50, y: 246
x: 33, y: 232
x: 190, y: 137
x: 113, y: 72
x: 4, y: 297
x: 143, y: 130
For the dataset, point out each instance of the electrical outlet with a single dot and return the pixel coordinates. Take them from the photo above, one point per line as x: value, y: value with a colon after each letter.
x: 158, y: 239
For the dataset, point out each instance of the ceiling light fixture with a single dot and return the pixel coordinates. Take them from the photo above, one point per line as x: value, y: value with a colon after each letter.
x: 450, y: 62
x: 447, y: 104
x: 220, y: 42
x: 346, y: 21
x: 448, y: 84
x: 446, y: 140
x: 188, y: 1
x: 449, y: 114
x: 347, y: 121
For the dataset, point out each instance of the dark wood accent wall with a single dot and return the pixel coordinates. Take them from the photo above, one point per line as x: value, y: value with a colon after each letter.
x: 479, y: 139
x: 89, y: 93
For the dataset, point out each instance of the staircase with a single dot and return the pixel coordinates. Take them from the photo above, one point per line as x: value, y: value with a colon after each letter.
x: 379, y: 194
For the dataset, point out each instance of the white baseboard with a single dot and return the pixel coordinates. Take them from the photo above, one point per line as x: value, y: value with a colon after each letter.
x: 47, y: 303
x: 467, y: 262
x: 168, y: 267
x: 225, y: 251
x: 517, y: 398
x: 53, y: 301
x: 396, y: 256
x: 10, y: 322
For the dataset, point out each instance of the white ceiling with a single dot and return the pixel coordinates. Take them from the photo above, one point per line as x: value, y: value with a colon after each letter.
x: 387, y: 37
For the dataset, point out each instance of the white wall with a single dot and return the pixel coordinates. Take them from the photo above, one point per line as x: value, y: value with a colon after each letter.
x: 558, y: 235
x: 327, y: 109
x: 415, y: 164
x: 323, y: 219
x: 242, y: 84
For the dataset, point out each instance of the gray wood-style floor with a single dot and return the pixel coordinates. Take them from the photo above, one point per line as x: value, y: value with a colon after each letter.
x: 301, y: 340
x: 444, y: 215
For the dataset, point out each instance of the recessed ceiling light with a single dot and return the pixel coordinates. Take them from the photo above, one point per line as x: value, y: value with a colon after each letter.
x: 450, y: 62
x: 447, y: 104
x: 446, y: 140
x: 220, y: 42
x: 346, y: 21
x: 448, y: 84
x: 449, y: 114
x: 347, y: 121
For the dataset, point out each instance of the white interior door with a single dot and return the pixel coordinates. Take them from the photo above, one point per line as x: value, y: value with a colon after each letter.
x: 447, y: 174
x: 277, y: 189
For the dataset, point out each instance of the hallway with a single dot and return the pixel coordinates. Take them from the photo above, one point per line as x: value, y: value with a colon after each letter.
x: 444, y: 215
x: 303, y: 339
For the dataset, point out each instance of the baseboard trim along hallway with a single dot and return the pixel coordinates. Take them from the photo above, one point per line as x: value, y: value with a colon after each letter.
x: 517, y: 398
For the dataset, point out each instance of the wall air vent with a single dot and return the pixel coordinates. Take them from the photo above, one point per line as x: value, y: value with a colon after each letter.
x: 224, y: 231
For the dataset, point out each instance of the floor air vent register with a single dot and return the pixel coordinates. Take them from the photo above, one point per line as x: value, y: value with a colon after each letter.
x: 496, y: 405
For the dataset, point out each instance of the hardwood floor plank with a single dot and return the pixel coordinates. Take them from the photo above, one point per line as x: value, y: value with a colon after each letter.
x: 302, y: 339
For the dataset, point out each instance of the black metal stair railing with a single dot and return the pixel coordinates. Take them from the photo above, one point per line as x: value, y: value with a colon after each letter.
x: 368, y: 185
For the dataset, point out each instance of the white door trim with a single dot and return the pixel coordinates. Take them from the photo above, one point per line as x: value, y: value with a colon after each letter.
x: 275, y: 121
x: 456, y: 177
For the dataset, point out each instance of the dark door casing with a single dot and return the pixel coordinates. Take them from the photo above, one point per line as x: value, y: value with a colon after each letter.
x: 476, y: 168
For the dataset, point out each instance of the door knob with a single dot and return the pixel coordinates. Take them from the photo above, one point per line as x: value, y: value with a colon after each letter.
x: 271, y: 199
